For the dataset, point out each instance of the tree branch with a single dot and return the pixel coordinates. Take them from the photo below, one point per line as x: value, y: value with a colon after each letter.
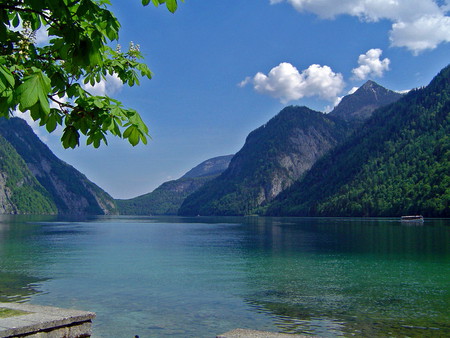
x: 29, y: 10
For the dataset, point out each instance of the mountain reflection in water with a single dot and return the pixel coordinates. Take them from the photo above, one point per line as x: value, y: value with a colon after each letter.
x: 203, y: 276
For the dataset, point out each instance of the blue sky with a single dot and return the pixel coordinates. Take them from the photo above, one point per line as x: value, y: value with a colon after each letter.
x: 223, y: 68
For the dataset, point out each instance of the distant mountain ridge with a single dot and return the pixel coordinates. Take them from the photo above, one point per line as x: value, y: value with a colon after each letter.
x: 70, y: 191
x: 301, y: 162
x: 168, y: 197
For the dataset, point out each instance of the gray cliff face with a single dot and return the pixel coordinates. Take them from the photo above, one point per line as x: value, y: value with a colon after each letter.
x: 20, y: 192
x: 302, y: 147
x: 86, y: 198
x: 6, y: 207
x: 273, y: 157
x: 181, y: 186
x: 70, y: 190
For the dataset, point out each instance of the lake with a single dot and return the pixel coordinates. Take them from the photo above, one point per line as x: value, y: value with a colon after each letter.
x: 199, y: 277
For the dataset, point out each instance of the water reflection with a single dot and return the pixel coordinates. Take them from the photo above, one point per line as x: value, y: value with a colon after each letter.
x: 17, y: 288
x: 191, y: 277
x: 377, y: 236
x: 350, y: 276
x: 298, y: 320
x: 20, y: 257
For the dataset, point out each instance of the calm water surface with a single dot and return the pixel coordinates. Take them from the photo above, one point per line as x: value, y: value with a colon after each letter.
x: 199, y: 277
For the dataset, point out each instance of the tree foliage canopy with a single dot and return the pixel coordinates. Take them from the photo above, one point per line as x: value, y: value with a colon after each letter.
x: 48, y: 80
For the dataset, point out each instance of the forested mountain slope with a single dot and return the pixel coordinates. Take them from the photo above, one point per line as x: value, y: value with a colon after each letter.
x: 70, y: 190
x: 168, y: 197
x: 273, y: 157
x: 20, y: 192
x: 397, y: 163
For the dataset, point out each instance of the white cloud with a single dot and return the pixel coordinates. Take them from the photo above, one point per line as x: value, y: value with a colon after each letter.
x: 405, y: 91
x: 351, y: 91
x: 330, y: 107
x: 424, y: 33
x: 417, y: 25
x: 110, y: 86
x: 286, y: 83
x: 370, y: 64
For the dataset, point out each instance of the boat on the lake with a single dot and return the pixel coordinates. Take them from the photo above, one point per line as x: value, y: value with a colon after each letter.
x: 412, y: 218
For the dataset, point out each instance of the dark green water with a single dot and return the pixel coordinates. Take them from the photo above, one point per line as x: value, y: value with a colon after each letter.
x: 199, y: 277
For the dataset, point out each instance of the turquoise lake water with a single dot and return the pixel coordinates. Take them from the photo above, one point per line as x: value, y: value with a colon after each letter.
x: 199, y: 277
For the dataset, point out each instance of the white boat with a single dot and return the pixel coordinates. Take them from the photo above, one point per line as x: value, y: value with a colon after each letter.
x: 412, y: 218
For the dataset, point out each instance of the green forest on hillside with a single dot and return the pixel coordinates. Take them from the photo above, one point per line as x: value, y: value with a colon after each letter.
x: 164, y: 200
x: 26, y: 195
x: 68, y: 189
x: 398, y: 163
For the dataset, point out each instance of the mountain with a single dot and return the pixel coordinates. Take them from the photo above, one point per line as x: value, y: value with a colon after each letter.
x: 168, y: 197
x: 273, y: 157
x: 71, y: 191
x: 20, y: 192
x: 397, y: 163
x: 359, y: 106
x: 211, y: 167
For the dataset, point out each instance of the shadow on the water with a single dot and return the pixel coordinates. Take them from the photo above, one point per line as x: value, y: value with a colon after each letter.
x: 15, y: 287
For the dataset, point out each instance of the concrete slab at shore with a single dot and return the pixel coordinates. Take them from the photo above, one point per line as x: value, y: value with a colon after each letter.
x: 242, y: 333
x: 34, y: 321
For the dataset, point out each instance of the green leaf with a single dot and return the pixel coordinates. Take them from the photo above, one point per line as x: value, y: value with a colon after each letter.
x: 36, y: 112
x: 143, y: 139
x: 34, y: 88
x: 51, y: 123
x: 16, y: 21
x: 171, y: 5
x: 132, y: 134
x: 6, y: 79
x: 145, y: 2
x: 43, y: 102
x: 98, y: 103
x: 70, y: 137
x: 5, y: 105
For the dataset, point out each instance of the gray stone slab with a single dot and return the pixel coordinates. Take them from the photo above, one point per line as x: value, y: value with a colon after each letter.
x: 42, y: 318
x: 50, y: 310
x: 242, y: 333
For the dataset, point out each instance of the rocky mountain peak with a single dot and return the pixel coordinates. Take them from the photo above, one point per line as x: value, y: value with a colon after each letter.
x: 359, y: 106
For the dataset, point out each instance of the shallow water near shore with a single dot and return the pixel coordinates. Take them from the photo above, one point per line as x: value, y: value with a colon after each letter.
x: 199, y: 277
